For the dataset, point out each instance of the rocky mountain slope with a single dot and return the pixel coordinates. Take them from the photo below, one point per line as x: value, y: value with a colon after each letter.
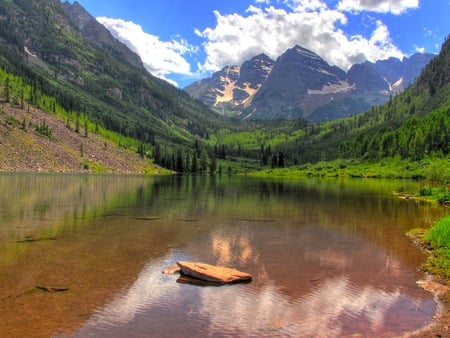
x: 300, y: 84
x: 234, y: 85
x: 59, y: 149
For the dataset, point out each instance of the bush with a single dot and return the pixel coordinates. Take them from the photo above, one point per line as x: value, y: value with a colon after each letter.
x: 425, y: 190
x: 439, y: 235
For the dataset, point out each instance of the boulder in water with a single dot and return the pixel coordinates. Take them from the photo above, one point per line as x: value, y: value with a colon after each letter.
x: 212, y: 273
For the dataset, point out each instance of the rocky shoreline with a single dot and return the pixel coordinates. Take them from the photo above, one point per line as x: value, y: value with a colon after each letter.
x: 440, y: 289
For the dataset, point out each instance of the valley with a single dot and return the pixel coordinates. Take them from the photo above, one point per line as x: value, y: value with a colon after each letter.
x: 255, y: 141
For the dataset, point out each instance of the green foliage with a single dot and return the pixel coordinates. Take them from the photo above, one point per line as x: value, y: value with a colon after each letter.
x: 439, y: 235
x: 43, y: 129
x: 439, y: 239
x: 93, y: 167
x: 437, y: 183
x: 386, y: 168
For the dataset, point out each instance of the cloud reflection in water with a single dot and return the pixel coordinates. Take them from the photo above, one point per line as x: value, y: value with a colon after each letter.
x: 324, y: 310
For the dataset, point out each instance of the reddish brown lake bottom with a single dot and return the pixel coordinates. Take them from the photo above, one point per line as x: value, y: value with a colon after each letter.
x: 328, y: 259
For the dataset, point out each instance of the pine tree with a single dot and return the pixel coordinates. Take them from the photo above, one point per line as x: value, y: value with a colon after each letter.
x: 194, y: 168
x: 281, y: 160
x: 6, y: 93
x: 141, y: 149
x: 157, y: 154
x: 203, y: 161
x: 188, y: 162
x: 77, y: 124
x: 223, y: 153
x: 179, y: 167
x: 213, y: 164
x: 86, y: 127
x: 274, y: 160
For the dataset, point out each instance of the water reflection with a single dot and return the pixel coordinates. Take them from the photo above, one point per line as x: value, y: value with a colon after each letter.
x: 331, y: 305
x: 328, y: 258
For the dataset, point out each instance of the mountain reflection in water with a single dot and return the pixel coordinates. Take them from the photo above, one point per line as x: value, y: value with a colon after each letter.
x: 318, y: 294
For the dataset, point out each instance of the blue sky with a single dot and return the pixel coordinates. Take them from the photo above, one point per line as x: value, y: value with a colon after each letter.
x: 185, y: 40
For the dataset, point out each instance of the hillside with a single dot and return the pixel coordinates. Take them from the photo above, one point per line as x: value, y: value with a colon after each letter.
x: 33, y: 140
x: 63, y: 52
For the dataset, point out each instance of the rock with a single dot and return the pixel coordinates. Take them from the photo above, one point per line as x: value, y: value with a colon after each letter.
x: 433, y: 287
x: 183, y: 279
x: 212, y: 273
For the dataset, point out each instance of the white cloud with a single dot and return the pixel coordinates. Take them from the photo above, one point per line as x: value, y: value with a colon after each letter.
x: 309, y: 23
x: 160, y: 58
x: 380, y: 6
x: 420, y: 49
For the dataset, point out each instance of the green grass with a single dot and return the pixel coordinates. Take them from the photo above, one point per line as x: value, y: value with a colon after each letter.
x: 439, y: 240
x: 93, y: 167
x: 395, y: 167
x: 439, y: 235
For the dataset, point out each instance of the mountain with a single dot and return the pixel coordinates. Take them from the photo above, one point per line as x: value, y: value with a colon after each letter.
x: 412, y: 126
x: 296, y: 75
x: 94, y: 32
x: 63, y: 52
x: 401, y: 73
x: 300, y: 84
x: 233, y: 85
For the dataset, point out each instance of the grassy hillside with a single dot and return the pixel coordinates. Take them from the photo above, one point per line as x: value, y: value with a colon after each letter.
x: 52, y: 139
x: 33, y: 140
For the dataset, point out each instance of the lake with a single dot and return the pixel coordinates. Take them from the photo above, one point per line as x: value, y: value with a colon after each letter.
x: 82, y: 256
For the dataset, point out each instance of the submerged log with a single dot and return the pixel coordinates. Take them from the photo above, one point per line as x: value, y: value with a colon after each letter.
x: 30, y: 239
x: 149, y: 218
x: 256, y: 220
x: 212, y: 273
x: 51, y: 289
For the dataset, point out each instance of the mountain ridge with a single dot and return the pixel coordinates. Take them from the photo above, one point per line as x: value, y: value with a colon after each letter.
x: 300, y: 84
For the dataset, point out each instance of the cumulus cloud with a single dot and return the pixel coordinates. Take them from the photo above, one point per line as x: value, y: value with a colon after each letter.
x: 309, y: 23
x: 160, y: 58
x: 270, y: 27
x: 381, y: 6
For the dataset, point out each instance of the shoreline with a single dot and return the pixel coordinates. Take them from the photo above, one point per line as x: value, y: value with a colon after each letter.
x: 439, y: 288
x: 439, y: 326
